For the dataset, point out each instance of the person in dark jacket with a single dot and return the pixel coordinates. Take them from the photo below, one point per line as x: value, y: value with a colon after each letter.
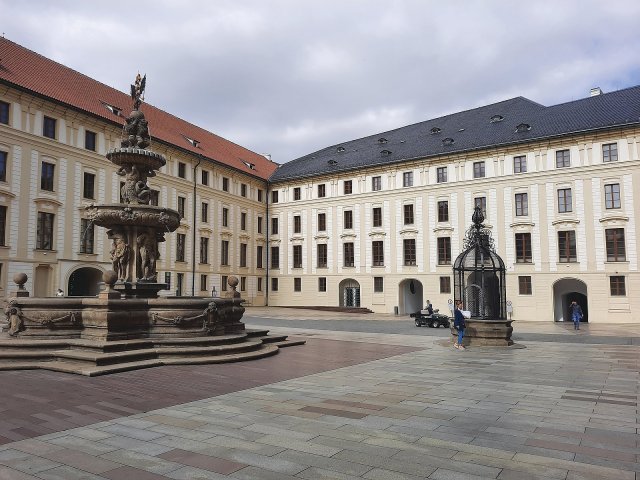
x: 576, y: 315
x: 458, y: 322
x: 429, y: 308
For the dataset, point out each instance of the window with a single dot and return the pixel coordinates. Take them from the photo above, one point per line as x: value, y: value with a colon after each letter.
x: 377, y: 216
x: 44, y: 240
x: 445, y: 284
x: 243, y: 189
x: 522, y: 204
x: 259, y: 287
x: 182, y: 170
x: 615, y: 244
x: 224, y: 282
x: 563, y: 158
x: 523, y: 248
x: 349, y: 255
x: 3, y: 166
x: 348, y: 219
x: 348, y: 187
x: 478, y: 169
x: 297, y: 224
x: 482, y: 203
x: 322, y: 255
x: 179, y: 283
x: 275, y: 257
x: 243, y: 255
x: 259, y: 225
x: 225, y: 217
x: 407, y: 179
x: 617, y: 285
x: 204, y: 212
x: 3, y: 225
x: 86, y: 235
x: 409, y: 248
x: 443, y: 211
x: 243, y: 284
x: 90, y: 140
x: 444, y: 251
x: 46, y: 177
x: 322, y: 222
x: 274, y: 196
x: 49, y: 127
x: 274, y: 284
x: 297, y: 284
x: 376, y: 183
x: 441, y: 174
x: 204, y: 250
x: 225, y: 184
x: 322, y: 191
x: 297, y: 193
x: 224, y: 253
x: 260, y: 194
x: 4, y: 113
x: 259, y: 256
x: 182, y: 204
x: 612, y: 196
x: 180, y: 243
x: 203, y: 283
x: 204, y: 177
x: 524, y: 285
x: 243, y: 220
x: 520, y: 164
x: 322, y: 284
x: 610, y: 152
x: 274, y: 226
x: 297, y: 256
x: 88, y: 185
x: 378, y: 284
x: 408, y: 214
x: 377, y: 250
x: 565, y: 203
x: 567, y: 246
x: 154, y: 197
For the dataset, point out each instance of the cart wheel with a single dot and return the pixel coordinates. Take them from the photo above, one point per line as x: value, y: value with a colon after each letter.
x: 418, y: 324
x: 435, y: 323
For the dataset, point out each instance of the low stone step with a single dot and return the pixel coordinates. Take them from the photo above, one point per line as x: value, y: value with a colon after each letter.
x: 273, y: 338
x: 289, y: 343
x: 26, y: 355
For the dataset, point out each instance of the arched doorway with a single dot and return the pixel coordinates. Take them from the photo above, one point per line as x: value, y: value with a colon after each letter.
x: 83, y: 282
x: 410, y: 296
x: 349, y: 293
x: 42, y: 281
x: 565, y: 291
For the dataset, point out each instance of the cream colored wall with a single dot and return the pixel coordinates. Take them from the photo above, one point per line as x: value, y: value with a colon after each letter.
x: 26, y: 147
x: 586, y: 177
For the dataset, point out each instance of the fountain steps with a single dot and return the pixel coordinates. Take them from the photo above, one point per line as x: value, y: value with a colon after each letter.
x: 85, y: 357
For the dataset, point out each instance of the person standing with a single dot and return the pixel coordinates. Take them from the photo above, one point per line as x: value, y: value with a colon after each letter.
x: 59, y: 293
x: 458, y: 322
x: 576, y: 315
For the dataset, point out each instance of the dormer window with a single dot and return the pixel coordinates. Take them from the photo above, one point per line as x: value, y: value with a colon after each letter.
x: 435, y: 130
x: 192, y: 141
x: 115, y: 110
x: 332, y: 162
x: 497, y: 118
x: 341, y: 149
x: 382, y: 141
x: 523, y: 127
x: 250, y: 166
x: 447, y: 141
x: 385, y: 153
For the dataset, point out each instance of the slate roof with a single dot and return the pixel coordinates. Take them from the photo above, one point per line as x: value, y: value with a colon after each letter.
x: 471, y: 130
x: 27, y: 70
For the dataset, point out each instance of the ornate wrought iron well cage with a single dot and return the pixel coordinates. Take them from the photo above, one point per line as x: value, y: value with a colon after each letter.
x: 479, y: 273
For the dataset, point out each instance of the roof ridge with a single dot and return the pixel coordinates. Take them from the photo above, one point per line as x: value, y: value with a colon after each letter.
x: 601, y: 95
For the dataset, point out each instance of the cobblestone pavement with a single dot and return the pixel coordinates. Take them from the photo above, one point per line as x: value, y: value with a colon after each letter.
x: 546, y: 410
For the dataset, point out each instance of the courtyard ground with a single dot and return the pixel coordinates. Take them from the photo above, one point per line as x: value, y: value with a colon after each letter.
x: 390, y: 401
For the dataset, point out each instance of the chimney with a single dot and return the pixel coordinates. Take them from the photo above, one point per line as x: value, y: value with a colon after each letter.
x: 596, y: 91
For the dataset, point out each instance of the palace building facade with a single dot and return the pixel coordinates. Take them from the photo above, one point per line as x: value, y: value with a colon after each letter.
x: 374, y: 222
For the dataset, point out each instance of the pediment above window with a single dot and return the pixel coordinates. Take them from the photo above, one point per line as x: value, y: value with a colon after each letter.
x: 352, y: 236
x: 321, y: 236
x: 565, y: 223
x: 614, y: 220
x: 522, y: 225
x: 443, y: 229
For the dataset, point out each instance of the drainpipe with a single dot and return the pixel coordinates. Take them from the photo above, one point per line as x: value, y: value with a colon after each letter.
x: 193, y: 251
x: 267, y: 227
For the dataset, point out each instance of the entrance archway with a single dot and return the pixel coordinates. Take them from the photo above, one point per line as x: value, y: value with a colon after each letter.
x: 565, y: 291
x: 349, y: 293
x: 410, y: 296
x: 83, y: 282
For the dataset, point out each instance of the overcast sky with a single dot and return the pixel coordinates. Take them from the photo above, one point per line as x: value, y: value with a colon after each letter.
x: 288, y: 77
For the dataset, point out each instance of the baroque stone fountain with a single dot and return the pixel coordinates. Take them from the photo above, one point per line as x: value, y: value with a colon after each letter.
x: 127, y: 326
